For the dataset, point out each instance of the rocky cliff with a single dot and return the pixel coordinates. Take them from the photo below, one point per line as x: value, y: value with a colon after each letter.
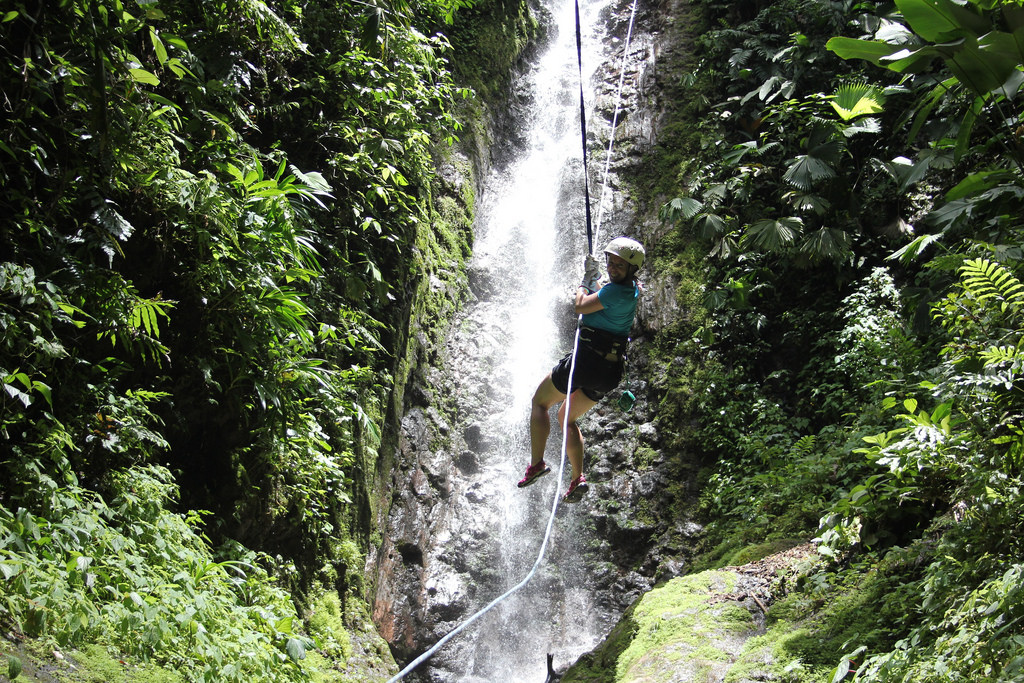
x: 431, y: 570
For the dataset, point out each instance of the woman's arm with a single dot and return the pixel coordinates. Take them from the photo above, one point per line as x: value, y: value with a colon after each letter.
x: 587, y: 303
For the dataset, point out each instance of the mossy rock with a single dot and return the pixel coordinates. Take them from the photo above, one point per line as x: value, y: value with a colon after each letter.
x: 38, y: 661
x: 684, y: 630
x: 758, y: 551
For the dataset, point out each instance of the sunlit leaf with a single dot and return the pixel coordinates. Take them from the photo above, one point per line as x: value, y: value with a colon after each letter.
x: 852, y: 100
x: 143, y: 76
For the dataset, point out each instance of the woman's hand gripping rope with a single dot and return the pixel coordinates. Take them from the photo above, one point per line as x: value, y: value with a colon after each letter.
x: 591, y: 274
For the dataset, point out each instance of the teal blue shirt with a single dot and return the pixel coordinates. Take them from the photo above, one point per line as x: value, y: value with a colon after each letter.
x: 619, y: 303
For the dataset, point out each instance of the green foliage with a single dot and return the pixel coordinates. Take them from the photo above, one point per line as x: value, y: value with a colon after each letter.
x: 978, y: 50
x: 981, y: 57
x: 208, y: 221
x: 133, y: 575
x: 770, y: 183
x: 853, y: 100
x: 959, y: 459
x: 860, y: 359
x: 977, y: 639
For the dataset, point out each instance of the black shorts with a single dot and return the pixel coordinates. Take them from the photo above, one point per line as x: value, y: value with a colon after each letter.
x: 594, y: 373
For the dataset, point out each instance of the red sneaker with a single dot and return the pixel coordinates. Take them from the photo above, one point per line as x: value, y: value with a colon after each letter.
x: 576, y: 490
x: 533, y: 472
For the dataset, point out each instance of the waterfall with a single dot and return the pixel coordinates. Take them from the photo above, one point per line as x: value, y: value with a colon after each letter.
x: 529, y: 248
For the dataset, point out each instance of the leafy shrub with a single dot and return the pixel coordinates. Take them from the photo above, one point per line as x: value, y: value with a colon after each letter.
x: 143, y: 580
x: 955, y: 471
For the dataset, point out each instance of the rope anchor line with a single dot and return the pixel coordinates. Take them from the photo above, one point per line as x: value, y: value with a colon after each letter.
x: 572, y: 364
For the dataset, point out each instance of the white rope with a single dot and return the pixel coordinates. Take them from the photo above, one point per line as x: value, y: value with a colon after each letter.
x: 615, y: 118
x: 543, y: 547
x: 568, y: 406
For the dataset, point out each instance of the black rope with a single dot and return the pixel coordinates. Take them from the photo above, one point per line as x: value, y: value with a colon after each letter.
x: 583, y: 132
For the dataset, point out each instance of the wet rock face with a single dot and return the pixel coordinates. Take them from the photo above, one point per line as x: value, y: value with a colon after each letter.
x: 441, y: 555
x: 437, y: 562
x: 417, y: 583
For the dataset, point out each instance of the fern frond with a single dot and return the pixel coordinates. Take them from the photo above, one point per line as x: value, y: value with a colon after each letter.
x: 805, y: 446
x: 997, y: 355
x: 987, y: 280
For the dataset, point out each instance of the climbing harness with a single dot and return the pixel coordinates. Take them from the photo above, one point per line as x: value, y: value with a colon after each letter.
x: 575, y: 348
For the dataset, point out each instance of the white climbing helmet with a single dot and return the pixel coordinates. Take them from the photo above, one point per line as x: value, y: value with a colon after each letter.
x: 629, y: 250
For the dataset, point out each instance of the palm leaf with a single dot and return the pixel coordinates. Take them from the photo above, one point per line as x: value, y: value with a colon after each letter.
x: 773, y: 235
x: 826, y: 244
x: 724, y: 248
x: 680, y: 208
x: 808, y: 170
x: 853, y: 100
x: 807, y: 201
x: 710, y: 225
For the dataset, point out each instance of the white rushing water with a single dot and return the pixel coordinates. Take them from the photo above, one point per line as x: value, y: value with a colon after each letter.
x: 530, y: 244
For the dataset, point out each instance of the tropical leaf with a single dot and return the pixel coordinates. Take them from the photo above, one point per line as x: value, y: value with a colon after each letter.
x: 807, y: 201
x: 773, y: 235
x: 953, y: 214
x: 716, y: 194
x: 680, y: 208
x: 997, y: 355
x: 983, y: 66
x: 868, y: 125
x: 807, y: 170
x: 906, y: 172
x: 979, y: 182
x: 894, y: 33
x: 873, y: 51
x: 724, y: 247
x: 281, y: 34
x: 710, y: 225
x: 853, y: 100
x: 736, y: 154
x: 911, y: 251
x: 826, y: 244
x: 928, y: 104
x: 987, y: 280
x: 144, y: 77
x: 940, y: 21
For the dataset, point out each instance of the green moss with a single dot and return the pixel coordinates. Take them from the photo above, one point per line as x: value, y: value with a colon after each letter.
x: 325, y: 624
x: 488, y: 39
x: 771, y: 657
x: 644, y: 457
x: 643, y: 514
x: 684, y: 626
x: 96, y: 665
x: 43, y: 663
x: 676, y: 619
x: 757, y: 551
x: 829, y: 615
x: 680, y: 622
x: 348, y: 648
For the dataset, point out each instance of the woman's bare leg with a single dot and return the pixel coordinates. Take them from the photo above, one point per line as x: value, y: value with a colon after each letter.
x: 540, y: 421
x: 578, y: 404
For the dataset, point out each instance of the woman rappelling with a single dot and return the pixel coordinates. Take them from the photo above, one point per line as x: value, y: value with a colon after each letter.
x: 607, y: 317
